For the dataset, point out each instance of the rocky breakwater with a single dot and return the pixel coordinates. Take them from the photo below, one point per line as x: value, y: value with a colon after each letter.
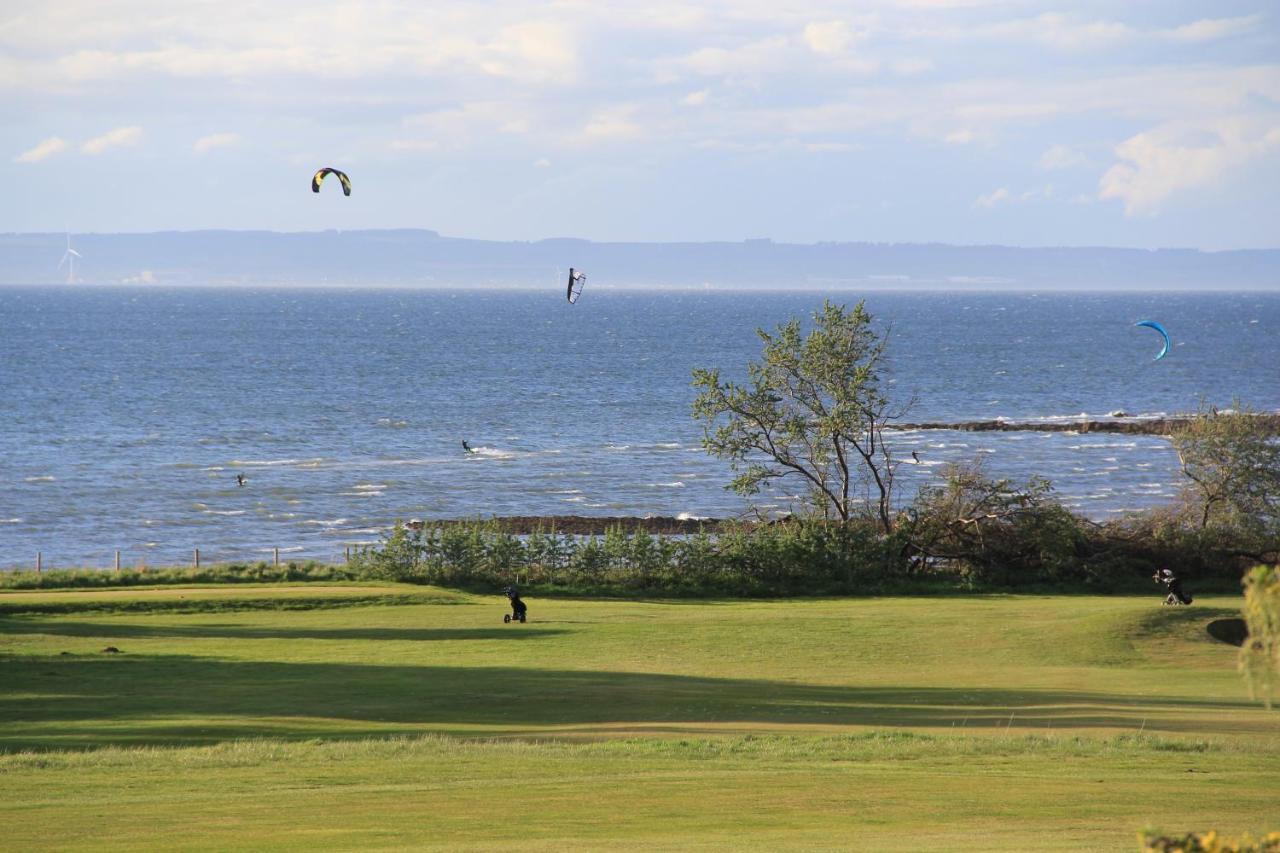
x: 1145, y: 426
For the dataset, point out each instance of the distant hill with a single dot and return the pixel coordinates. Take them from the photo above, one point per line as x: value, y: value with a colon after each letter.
x: 419, y: 258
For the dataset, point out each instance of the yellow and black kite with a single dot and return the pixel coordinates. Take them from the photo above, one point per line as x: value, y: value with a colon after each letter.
x: 320, y: 176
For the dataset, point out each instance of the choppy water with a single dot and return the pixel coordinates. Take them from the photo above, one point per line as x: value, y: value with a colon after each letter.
x: 125, y: 414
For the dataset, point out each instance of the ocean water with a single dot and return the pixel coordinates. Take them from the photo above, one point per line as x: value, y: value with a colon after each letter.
x: 126, y: 413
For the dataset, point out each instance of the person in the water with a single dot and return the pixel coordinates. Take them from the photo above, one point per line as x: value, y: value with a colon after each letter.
x: 466, y: 447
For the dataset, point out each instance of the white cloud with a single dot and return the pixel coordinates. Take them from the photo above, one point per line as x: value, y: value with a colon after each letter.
x: 1210, y: 29
x: 542, y: 163
x: 828, y: 38
x: 463, y: 127
x: 960, y: 137
x: 1061, y: 157
x: 762, y: 55
x: 911, y: 66
x: 696, y: 99
x: 214, y: 140
x: 1182, y: 156
x: 112, y: 139
x: 1000, y: 196
x: 46, y: 148
x: 613, y: 123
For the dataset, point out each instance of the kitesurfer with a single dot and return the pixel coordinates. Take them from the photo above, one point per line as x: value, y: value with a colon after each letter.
x: 239, y: 479
x: 466, y: 447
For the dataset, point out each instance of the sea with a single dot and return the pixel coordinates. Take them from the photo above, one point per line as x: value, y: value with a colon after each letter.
x: 126, y: 413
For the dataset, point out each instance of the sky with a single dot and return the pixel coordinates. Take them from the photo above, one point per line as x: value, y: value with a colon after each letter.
x: 1148, y: 123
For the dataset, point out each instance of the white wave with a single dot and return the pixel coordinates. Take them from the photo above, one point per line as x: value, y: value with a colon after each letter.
x: 268, y: 463
x: 929, y: 463
x: 223, y: 511
x: 292, y: 549
x: 213, y: 468
x: 373, y: 530
x: 491, y: 453
x: 574, y: 500
x: 688, y: 516
x: 1099, y: 444
x: 46, y: 478
x: 565, y: 492
x: 392, y: 423
x: 10, y: 521
x: 323, y: 523
x: 362, y: 494
x: 675, y: 485
x: 370, y: 487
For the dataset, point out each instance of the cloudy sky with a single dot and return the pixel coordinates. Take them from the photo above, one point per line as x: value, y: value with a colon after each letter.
x: 1142, y: 123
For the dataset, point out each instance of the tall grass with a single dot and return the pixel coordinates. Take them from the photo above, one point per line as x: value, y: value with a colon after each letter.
x: 260, y: 572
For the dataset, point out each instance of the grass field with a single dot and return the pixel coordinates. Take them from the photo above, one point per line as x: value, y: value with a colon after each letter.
x: 392, y: 717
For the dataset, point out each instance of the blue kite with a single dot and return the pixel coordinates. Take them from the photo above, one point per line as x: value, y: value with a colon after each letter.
x: 1152, y: 324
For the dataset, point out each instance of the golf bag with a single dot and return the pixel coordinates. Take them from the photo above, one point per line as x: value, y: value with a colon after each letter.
x: 518, y: 607
x: 1177, y: 595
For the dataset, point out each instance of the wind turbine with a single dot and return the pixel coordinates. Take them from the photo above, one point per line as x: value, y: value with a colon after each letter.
x: 69, y: 258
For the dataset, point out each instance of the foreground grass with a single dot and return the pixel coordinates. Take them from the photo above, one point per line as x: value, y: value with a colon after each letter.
x: 870, y: 791
x: 1004, y: 722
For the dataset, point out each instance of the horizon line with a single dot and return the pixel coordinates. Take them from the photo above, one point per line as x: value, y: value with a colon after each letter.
x: 744, y: 241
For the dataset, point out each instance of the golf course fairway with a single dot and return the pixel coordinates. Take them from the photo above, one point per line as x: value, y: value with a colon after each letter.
x: 399, y: 717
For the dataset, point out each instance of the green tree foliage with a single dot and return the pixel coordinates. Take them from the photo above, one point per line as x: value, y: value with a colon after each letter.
x: 1260, y: 654
x: 1233, y: 462
x: 995, y: 530
x: 812, y: 409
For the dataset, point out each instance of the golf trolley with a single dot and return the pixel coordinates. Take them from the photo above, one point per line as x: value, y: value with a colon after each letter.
x: 518, y: 608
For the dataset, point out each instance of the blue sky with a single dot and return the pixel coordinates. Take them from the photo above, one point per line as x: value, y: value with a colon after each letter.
x: 1147, y: 123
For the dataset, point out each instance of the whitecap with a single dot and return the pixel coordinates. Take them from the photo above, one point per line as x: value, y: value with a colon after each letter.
x: 223, y: 511
x: 675, y: 485
x: 46, y: 478
x: 10, y: 521
x: 265, y: 463
x: 323, y: 523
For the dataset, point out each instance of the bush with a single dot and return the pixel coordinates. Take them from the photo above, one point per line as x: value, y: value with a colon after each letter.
x: 765, y: 559
x: 1208, y: 842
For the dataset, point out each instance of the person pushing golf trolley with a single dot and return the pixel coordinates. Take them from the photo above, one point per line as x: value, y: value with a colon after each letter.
x: 518, y: 607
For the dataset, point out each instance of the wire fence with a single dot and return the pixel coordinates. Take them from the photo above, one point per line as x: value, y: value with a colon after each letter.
x: 196, y: 558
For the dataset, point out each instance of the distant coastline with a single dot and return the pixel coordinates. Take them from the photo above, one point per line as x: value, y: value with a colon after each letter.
x: 424, y: 258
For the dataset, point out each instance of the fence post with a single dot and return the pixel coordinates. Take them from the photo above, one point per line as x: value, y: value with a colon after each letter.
x: 38, y: 562
x: 197, y: 558
x: 276, y: 557
x: 117, y: 562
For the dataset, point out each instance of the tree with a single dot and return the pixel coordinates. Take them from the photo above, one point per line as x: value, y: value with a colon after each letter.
x: 1260, y: 654
x: 1233, y: 462
x: 812, y: 410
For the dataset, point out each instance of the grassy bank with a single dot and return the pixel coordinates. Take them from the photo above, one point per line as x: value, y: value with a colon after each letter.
x: 1029, y: 722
